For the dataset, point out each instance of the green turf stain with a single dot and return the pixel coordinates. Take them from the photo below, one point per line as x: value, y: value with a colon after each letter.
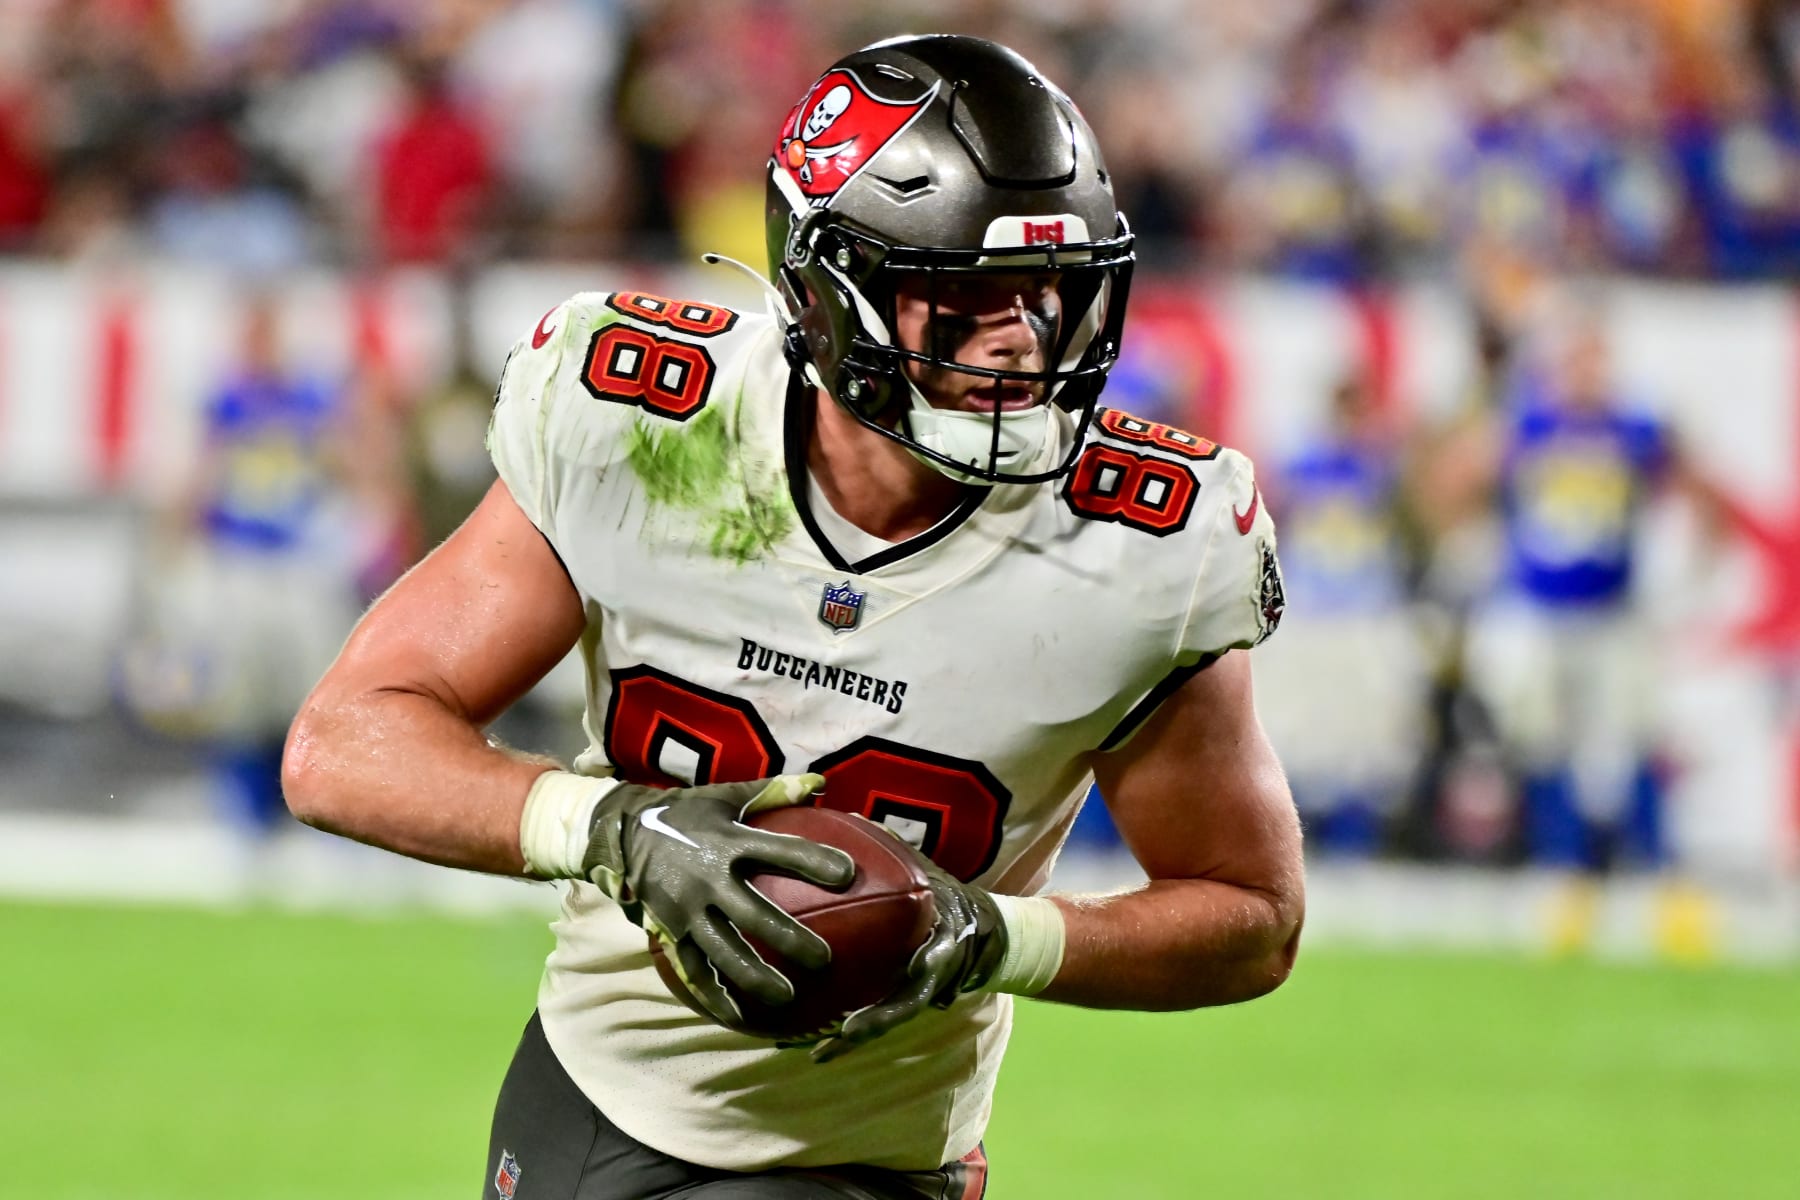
x: 691, y: 467
x: 742, y: 534
x: 683, y: 466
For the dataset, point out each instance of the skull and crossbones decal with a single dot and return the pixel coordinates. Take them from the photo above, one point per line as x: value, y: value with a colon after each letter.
x: 801, y: 153
x: 856, y: 122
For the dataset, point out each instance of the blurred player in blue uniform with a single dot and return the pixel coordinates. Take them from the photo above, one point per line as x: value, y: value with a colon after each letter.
x: 1344, y: 700
x: 1291, y: 207
x: 1562, y: 657
x: 1741, y: 156
x: 254, y: 590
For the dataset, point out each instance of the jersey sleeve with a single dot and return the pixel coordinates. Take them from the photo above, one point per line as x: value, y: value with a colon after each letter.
x: 1238, y: 596
x: 518, y: 434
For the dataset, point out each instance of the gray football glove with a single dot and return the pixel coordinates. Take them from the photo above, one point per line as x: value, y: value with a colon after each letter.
x: 962, y: 951
x: 676, y: 859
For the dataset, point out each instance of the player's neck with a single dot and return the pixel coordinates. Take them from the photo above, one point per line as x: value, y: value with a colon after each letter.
x: 874, y: 483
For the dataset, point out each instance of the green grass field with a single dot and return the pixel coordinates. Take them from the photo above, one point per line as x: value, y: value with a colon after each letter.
x: 155, y: 1053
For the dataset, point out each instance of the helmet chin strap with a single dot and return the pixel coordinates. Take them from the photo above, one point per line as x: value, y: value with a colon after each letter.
x: 968, y: 437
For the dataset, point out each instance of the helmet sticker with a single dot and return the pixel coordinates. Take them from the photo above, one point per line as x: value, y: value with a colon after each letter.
x: 1056, y: 229
x: 834, y: 131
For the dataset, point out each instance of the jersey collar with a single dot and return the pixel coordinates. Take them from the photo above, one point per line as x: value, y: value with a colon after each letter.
x: 797, y: 423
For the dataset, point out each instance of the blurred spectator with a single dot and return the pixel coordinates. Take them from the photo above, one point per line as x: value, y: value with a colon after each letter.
x: 432, y: 174
x: 1344, y: 697
x: 1743, y: 158
x: 446, y: 440
x: 1631, y: 198
x: 318, y: 91
x: 210, y: 208
x: 249, y: 591
x: 1291, y: 204
x: 540, y: 73
x: 1169, y: 368
x: 701, y: 87
x: 1465, y: 807
x: 1315, y: 138
x: 1399, y: 113
x: 24, y: 181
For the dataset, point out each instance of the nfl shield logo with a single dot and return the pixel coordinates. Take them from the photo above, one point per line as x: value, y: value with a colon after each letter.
x: 842, y: 606
x: 506, y: 1179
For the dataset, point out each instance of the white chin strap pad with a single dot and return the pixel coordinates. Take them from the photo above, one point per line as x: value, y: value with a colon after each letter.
x: 968, y: 437
x: 964, y: 437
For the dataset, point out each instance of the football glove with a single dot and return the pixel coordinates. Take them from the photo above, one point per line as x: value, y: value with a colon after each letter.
x: 677, y: 860
x: 963, y: 950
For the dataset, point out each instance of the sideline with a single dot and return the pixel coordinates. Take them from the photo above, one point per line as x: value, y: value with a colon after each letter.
x: 203, y: 862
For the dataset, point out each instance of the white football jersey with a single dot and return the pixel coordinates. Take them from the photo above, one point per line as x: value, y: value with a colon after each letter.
x: 952, y: 686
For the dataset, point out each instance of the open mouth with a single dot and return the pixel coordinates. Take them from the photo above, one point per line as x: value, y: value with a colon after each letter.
x: 1001, y: 397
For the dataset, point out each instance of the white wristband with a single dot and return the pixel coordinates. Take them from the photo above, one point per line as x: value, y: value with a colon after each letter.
x: 553, y: 830
x: 1035, y: 936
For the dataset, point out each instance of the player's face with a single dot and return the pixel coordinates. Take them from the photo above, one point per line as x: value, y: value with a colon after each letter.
x: 1584, y: 372
x: 1002, y: 322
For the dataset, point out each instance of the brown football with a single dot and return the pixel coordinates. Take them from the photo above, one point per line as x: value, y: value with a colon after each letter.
x: 873, y: 926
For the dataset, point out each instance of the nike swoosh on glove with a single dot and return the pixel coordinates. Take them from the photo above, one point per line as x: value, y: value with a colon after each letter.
x: 677, y: 860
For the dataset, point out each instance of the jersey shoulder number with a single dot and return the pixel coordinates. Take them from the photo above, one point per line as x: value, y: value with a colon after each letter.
x: 1159, y: 480
x: 592, y: 367
x: 656, y: 358
x: 1138, y: 473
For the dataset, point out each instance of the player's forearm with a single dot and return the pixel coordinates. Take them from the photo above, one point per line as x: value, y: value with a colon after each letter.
x: 1176, y: 944
x: 401, y: 771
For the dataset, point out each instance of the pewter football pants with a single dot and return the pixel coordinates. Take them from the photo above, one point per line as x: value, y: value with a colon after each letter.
x: 550, y: 1143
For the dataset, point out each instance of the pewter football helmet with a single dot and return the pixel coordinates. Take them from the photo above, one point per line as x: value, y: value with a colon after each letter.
x: 941, y: 158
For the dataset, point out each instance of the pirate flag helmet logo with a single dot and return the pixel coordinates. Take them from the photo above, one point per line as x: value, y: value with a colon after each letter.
x: 837, y: 127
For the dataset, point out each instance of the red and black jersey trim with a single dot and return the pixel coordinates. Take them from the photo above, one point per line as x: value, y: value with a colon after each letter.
x: 1140, y: 712
x: 797, y: 424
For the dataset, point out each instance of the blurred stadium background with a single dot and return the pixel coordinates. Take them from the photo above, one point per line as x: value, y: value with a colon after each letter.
x: 259, y: 267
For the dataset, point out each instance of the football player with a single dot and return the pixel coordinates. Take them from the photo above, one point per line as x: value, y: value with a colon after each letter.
x: 1345, y: 685
x: 1564, y: 656
x: 878, y: 549
x: 249, y: 579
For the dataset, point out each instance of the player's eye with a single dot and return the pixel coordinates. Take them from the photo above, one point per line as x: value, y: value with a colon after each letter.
x: 948, y: 332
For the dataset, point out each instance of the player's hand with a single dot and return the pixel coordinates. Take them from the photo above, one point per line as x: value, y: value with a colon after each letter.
x: 677, y: 859
x: 964, y: 947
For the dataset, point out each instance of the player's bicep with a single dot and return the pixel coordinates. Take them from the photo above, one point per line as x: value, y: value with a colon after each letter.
x: 1199, y: 793
x: 476, y: 624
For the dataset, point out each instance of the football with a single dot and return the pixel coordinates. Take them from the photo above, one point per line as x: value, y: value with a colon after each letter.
x: 872, y: 927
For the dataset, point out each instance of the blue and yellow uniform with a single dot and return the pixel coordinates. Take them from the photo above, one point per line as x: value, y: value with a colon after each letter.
x: 1566, y: 664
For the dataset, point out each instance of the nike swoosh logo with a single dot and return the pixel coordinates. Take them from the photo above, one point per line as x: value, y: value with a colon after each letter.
x: 540, y: 335
x: 652, y: 820
x: 1246, y: 519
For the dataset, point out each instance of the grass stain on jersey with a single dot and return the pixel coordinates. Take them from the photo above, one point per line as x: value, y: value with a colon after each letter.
x: 742, y: 534
x: 682, y: 466
x: 692, y: 467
